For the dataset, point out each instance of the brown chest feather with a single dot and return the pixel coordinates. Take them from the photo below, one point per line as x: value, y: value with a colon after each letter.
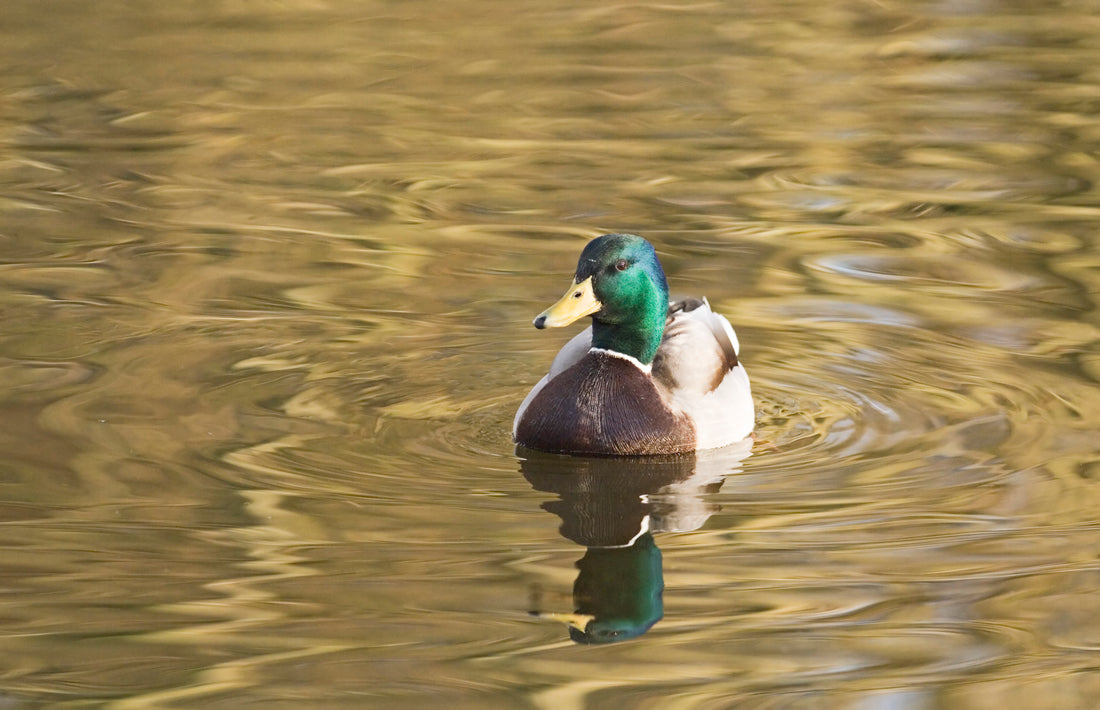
x: 603, y: 405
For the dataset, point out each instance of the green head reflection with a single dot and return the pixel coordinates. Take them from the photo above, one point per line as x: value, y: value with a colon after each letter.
x: 620, y: 589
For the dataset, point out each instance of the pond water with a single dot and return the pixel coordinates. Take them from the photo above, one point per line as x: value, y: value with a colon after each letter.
x: 267, y: 281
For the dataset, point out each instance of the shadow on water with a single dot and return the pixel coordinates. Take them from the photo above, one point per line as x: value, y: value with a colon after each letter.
x: 613, y: 507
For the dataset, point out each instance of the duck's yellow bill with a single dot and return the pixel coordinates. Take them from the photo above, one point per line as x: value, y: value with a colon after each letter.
x: 577, y: 621
x: 578, y: 302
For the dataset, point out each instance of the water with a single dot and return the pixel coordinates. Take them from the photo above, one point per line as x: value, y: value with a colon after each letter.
x: 267, y: 277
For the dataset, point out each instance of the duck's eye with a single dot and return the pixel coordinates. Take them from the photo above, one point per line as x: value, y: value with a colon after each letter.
x: 621, y: 265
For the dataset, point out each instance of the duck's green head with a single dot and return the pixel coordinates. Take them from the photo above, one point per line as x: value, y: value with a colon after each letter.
x: 620, y: 283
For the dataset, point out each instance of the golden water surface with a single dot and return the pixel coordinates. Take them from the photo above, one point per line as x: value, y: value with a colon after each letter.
x: 267, y: 272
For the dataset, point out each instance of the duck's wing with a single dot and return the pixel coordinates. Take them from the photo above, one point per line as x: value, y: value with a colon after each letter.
x: 571, y: 353
x: 568, y: 356
x: 698, y: 350
x: 697, y: 364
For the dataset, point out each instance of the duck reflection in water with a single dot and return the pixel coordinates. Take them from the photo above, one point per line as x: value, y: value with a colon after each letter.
x: 613, y: 507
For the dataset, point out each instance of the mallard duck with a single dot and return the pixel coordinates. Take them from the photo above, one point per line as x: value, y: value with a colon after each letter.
x: 648, y: 377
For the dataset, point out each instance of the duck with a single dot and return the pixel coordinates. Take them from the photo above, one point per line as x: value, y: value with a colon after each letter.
x: 648, y: 377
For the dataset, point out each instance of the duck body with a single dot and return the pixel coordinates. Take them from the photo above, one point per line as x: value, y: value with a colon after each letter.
x: 648, y: 377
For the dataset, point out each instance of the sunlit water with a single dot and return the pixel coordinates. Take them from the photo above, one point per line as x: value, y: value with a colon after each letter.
x: 267, y: 277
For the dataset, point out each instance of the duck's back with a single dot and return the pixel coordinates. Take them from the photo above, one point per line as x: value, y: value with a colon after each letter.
x: 602, y: 404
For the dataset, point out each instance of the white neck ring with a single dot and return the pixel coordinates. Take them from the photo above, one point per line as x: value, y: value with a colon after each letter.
x: 647, y: 369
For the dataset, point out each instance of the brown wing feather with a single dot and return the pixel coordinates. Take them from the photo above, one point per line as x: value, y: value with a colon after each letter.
x: 697, y: 353
x: 687, y: 305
